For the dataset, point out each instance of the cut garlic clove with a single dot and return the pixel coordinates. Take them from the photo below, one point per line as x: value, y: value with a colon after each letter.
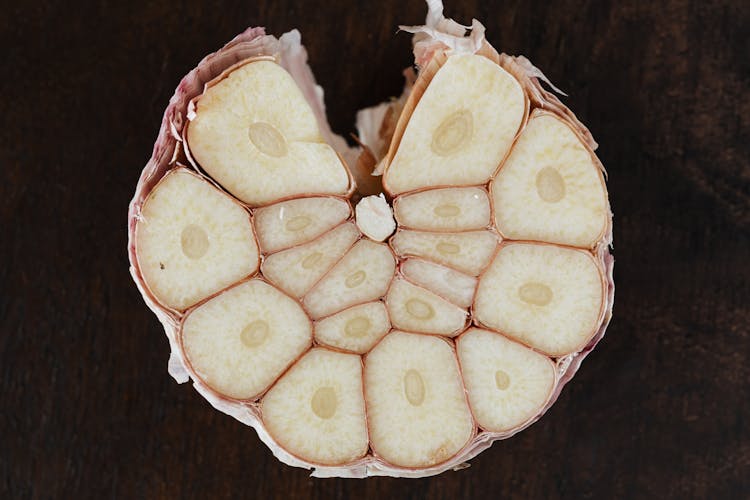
x: 255, y: 134
x: 192, y: 240
x: 416, y: 405
x: 461, y: 129
x: 468, y: 252
x: 550, y: 187
x: 240, y: 341
x: 451, y: 209
x: 316, y: 411
x: 295, y: 222
x: 297, y: 269
x: 356, y: 329
x: 362, y: 275
x: 415, y: 309
x: 448, y: 283
x: 545, y: 296
x: 507, y: 383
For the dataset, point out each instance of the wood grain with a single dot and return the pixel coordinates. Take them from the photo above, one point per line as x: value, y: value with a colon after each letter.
x: 661, y: 408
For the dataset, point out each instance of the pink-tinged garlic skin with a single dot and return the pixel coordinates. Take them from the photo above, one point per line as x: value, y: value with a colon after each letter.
x: 439, y: 34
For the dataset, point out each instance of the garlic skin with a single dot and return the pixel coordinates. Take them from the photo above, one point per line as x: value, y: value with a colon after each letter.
x: 377, y: 127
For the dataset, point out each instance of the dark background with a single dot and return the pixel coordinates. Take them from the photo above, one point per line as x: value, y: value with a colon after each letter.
x: 659, y: 410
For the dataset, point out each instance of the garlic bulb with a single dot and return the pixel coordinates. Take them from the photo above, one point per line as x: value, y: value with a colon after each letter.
x: 390, y: 309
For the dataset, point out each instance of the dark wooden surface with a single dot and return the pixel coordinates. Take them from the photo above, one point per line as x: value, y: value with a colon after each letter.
x: 661, y: 408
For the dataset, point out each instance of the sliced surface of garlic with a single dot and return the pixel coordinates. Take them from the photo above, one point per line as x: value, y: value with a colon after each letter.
x: 400, y: 333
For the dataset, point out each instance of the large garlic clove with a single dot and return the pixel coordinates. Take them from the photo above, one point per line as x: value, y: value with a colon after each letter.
x: 550, y: 188
x: 452, y: 209
x: 468, y: 252
x: 362, y: 275
x: 507, y: 383
x: 240, y: 341
x: 297, y: 269
x: 545, y: 296
x: 298, y: 221
x: 416, y: 406
x: 317, y: 410
x: 461, y: 129
x: 192, y: 240
x: 256, y: 135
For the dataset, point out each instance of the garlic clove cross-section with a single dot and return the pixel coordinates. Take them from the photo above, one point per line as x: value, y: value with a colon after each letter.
x: 415, y: 309
x: 362, y: 275
x: 550, y: 187
x: 294, y: 222
x: 506, y: 382
x: 316, y: 411
x: 192, y: 240
x: 256, y: 135
x: 545, y: 296
x: 355, y: 329
x: 462, y: 127
x: 451, y: 209
x: 241, y: 340
x: 416, y: 406
x: 468, y: 252
x: 448, y: 283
